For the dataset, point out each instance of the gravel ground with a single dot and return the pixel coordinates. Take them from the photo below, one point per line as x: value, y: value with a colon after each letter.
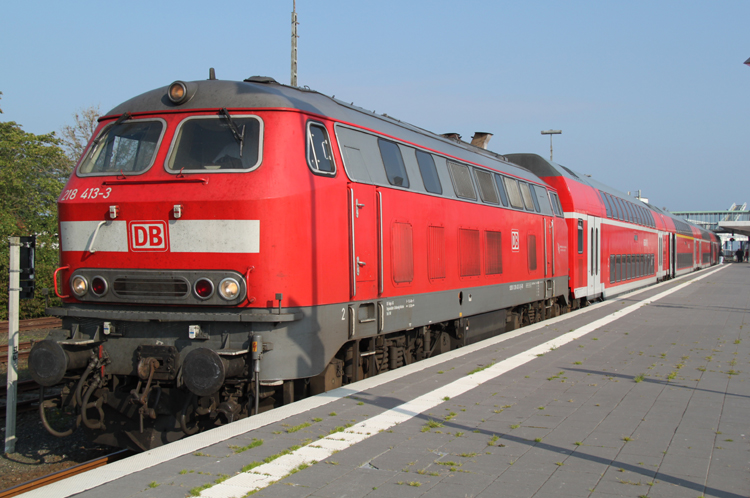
x: 39, y: 453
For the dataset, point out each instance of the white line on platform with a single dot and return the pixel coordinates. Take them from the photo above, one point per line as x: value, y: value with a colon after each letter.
x: 257, y: 478
x: 356, y: 433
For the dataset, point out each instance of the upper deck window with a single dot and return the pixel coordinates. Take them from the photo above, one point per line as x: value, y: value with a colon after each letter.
x: 394, y: 163
x: 319, y: 156
x: 205, y: 144
x: 128, y: 147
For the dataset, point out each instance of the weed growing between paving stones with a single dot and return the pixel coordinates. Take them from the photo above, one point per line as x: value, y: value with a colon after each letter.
x: 153, y: 484
x: 639, y: 378
x: 431, y: 424
x: 254, y: 444
x: 480, y: 368
x: 298, y: 427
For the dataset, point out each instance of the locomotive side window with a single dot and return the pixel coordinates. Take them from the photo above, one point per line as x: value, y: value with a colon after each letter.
x: 128, y: 147
x: 462, y: 180
x: 394, y: 163
x: 526, y: 194
x: 319, y: 156
x: 486, y: 189
x: 556, y: 204
x: 542, y: 200
x: 501, y: 189
x: 429, y: 173
x: 612, y: 269
x: 511, y: 185
x: 224, y: 143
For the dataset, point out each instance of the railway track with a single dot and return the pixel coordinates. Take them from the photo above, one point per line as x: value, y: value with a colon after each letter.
x: 25, y: 325
x: 48, y: 322
x: 64, y: 474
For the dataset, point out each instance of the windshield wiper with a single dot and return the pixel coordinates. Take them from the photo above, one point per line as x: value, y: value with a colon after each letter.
x: 119, y: 121
x: 239, y: 136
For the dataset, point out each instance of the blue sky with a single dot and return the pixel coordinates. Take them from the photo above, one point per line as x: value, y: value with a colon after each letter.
x: 650, y: 95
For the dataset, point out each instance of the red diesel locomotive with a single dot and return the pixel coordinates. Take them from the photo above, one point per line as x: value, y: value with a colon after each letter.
x: 228, y: 246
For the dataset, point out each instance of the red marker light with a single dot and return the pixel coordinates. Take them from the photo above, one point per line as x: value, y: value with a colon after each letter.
x: 99, y: 286
x: 204, y: 288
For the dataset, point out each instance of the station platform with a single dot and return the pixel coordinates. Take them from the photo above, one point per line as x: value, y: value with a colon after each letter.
x: 643, y: 395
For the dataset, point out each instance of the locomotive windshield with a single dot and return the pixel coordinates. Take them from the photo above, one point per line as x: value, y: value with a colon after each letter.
x: 216, y: 143
x: 126, y: 147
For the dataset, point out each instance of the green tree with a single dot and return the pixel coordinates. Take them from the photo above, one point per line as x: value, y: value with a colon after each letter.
x: 75, y: 136
x: 33, y: 171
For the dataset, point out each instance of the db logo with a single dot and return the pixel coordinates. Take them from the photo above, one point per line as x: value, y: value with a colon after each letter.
x: 515, y: 241
x: 148, y: 236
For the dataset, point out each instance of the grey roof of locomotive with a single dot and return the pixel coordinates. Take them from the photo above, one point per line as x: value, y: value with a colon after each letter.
x: 261, y: 92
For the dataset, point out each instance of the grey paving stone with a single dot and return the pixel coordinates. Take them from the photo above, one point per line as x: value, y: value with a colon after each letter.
x: 567, y: 483
x: 398, y: 487
x: 447, y: 490
x: 358, y: 482
x: 515, y: 483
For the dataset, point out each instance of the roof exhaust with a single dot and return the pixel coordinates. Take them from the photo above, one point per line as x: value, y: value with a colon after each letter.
x: 481, y: 139
x: 452, y: 136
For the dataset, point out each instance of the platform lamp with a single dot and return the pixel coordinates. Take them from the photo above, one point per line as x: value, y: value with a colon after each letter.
x: 550, y: 133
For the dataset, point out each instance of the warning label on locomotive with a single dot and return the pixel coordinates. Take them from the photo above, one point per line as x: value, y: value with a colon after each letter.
x: 148, y: 236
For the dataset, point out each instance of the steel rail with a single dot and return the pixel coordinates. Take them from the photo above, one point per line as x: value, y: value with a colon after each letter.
x: 65, y: 473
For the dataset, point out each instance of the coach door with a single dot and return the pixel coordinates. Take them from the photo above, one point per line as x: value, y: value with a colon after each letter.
x: 659, y: 254
x: 549, y: 256
x: 363, y: 241
x: 594, y: 256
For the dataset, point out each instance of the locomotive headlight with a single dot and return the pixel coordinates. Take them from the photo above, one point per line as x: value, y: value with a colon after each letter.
x: 180, y: 92
x: 229, y: 289
x: 79, y: 285
x: 177, y: 91
x: 203, y: 288
x: 99, y: 286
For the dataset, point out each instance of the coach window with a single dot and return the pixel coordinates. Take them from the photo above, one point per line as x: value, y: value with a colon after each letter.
x: 394, y: 163
x: 580, y: 236
x: 216, y: 144
x: 623, y: 213
x: 511, y: 185
x: 615, y: 208
x: 526, y: 194
x: 501, y: 189
x: 429, y: 173
x: 606, y: 205
x: 319, y: 156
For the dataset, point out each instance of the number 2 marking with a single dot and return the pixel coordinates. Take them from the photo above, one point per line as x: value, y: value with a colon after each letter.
x: 343, y: 313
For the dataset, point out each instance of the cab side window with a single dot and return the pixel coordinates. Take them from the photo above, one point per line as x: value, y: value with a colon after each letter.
x: 319, y: 156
